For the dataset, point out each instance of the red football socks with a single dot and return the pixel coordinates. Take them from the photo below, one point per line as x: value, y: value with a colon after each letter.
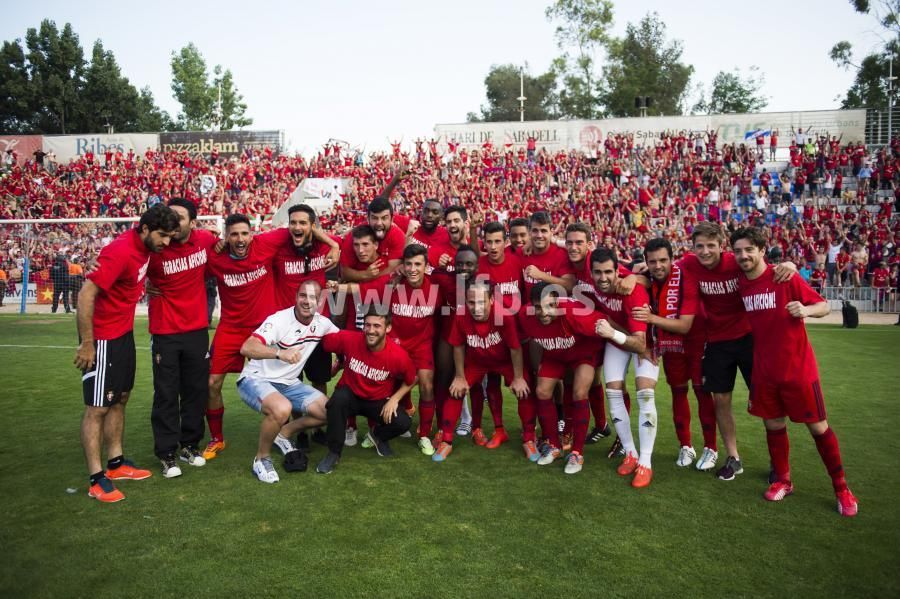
x: 214, y: 421
x: 582, y: 417
x: 546, y: 410
x: 707, y: 417
x: 681, y: 415
x: 528, y: 413
x: 828, y: 447
x: 779, y: 451
x: 598, y: 405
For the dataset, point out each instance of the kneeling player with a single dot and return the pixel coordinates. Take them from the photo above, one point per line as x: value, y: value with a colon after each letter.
x: 616, y: 358
x: 368, y: 386
x: 278, y: 351
x: 571, y: 337
x: 485, y: 342
x: 785, y: 381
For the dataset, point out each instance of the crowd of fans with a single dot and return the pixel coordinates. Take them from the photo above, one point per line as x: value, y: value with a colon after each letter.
x: 830, y: 208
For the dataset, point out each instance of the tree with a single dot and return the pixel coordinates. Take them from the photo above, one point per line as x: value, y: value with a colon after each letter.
x: 584, y: 30
x: 502, y: 90
x: 56, y: 67
x: 870, y: 87
x: 645, y: 63
x: 199, y: 97
x: 732, y: 93
x: 150, y: 116
x: 16, y: 93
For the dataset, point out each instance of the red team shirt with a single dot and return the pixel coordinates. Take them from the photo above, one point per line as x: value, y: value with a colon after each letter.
x: 370, y: 375
x: 292, y: 269
x: 719, y: 293
x: 487, y: 344
x: 438, y: 237
x: 568, y: 341
x: 121, y: 269
x: 178, y: 271
x: 618, y: 308
x: 412, y: 319
x: 555, y: 262
x: 506, y: 277
x: 389, y: 248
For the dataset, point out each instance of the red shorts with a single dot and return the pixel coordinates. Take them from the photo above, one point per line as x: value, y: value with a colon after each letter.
x: 476, y: 372
x: 683, y: 367
x: 225, y: 351
x: 801, y: 402
x: 422, y: 355
x: 556, y: 369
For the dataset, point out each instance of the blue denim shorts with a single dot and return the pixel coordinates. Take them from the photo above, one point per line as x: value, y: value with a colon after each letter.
x: 253, y: 390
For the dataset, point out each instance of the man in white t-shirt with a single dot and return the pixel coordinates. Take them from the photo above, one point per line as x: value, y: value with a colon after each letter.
x: 270, y: 381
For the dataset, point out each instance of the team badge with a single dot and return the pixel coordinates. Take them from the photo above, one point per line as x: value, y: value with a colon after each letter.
x: 109, y: 396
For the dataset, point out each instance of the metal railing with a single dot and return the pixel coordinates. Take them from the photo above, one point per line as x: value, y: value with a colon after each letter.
x: 866, y: 299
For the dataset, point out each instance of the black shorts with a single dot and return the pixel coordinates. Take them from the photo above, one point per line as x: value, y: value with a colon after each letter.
x: 112, y: 373
x: 318, y: 366
x: 721, y: 360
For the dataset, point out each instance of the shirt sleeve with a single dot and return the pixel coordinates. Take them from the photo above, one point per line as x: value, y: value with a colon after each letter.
x: 395, y: 240
x: 690, y: 299
x: 583, y: 321
x: 348, y: 257
x: 110, y: 267
x: 269, y: 331
x: 405, y: 369
x: 336, y: 342
x: 270, y: 242
x: 638, y: 297
x: 803, y: 293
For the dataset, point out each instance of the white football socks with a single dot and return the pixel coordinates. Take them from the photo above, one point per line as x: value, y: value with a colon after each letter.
x: 647, y: 428
x: 620, y: 419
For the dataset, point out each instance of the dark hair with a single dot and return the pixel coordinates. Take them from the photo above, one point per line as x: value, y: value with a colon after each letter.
x: 413, y: 250
x: 234, y: 219
x: 707, y: 229
x: 361, y: 231
x: 518, y: 222
x: 465, y: 247
x: 601, y: 255
x: 187, y: 205
x: 658, y: 243
x: 462, y: 212
x: 751, y: 234
x: 493, y: 227
x: 303, y: 208
x: 539, y: 218
x: 541, y: 289
x: 579, y: 227
x: 378, y: 310
x: 435, y: 200
x: 159, y: 218
x: 480, y: 282
x: 380, y: 204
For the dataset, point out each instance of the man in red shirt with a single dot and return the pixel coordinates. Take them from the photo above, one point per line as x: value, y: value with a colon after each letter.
x: 428, y: 231
x: 180, y: 341
x: 106, y: 354
x: 628, y: 344
x: 679, y: 337
x: 785, y: 375
x: 389, y: 237
x: 377, y: 374
x: 486, y: 340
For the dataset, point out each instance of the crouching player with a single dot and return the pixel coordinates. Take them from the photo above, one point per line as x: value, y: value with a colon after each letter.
x: 616, y: 358
x: 785, y: 381
x: 270, y: 384
x: 486, y: 341
x: 571, y: 336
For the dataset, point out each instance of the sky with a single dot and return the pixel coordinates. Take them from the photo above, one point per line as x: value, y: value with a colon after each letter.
x: 366, y: 72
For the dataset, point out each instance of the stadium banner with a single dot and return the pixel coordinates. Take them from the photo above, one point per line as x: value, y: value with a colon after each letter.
x: 24, y: 147
x: 321, y: 194
x: 585, y: 135
x: 68, y: 147
x: 227, y: 143
x: 14, y: 294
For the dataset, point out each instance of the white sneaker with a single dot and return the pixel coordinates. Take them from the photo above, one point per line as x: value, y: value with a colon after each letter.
x: 463, y: 429
x: 548, y: 455
x: 350, y: 437
x: 425, y: 446
x: 192, y: 456
x: 574, y: 462
x: 170, y: 468
x: 686, y: 456
x: 284, y: 445
x: 708, y: 459
x: 265, y: 470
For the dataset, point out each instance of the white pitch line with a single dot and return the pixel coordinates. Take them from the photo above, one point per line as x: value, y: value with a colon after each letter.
x: 53, y: 347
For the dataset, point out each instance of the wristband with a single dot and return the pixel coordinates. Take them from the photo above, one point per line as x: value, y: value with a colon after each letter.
x: 277, y: 354
x: 619, y: 338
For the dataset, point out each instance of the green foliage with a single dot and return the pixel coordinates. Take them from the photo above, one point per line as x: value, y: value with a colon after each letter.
x: 47, y: 86
x: 869, y: 87
x: 645, y: 63
x: 476, y: 525
x: 733, y: 93
x: 199, y: 96
x: 502, y: 86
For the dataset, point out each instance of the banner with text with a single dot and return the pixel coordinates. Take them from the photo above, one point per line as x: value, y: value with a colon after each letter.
x: 320, y: 194
x: 227, y: 143
x: 585, y: 135
x: 23, y: 147
x: 67, y: 147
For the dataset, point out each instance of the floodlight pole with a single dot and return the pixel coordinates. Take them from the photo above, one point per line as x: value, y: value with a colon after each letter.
x: 521, y: 97
x: 890, y: 97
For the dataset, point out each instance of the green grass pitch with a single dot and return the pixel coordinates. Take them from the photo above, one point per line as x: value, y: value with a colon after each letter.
x: 485, y: 523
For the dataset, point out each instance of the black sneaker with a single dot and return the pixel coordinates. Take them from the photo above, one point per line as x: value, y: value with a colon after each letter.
x: 732, y: 468
x: 319, y: 437
x: 616, y: 450
x: 598, y: 433
x: 192, y: 456
x: 328, y: 463
x: 382, y: 447
x: 296, y: 461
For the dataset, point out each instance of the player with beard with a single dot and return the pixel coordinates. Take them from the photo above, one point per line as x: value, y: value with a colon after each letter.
x: 579, y: 245
x: 616, y: 358
x: 571, y: 336
x: 486, y: 341
x: 377, y: 375
x: 713, y: 274
x: 427, y: 231
x: 785, y: 380
x: 502, y: 267
x: 243, y: 273
x: 179, y: 341
x: 679, y: 335
x: 106, y: 353
x: 388, y: 236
